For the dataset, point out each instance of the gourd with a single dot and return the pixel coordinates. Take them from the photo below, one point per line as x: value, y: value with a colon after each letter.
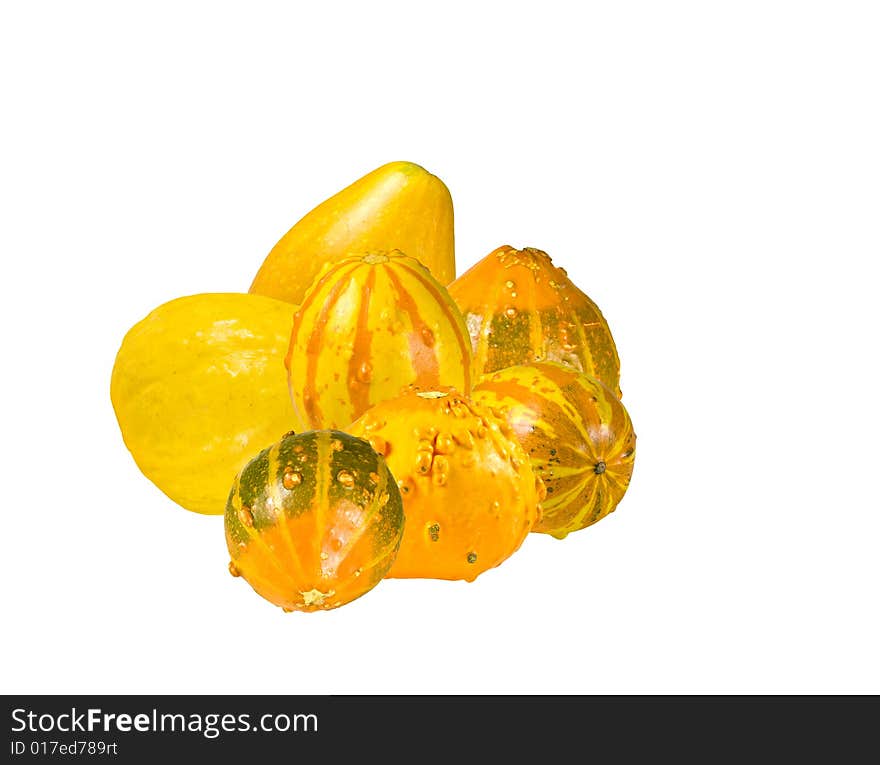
x: 577, y: 433
x: 198, y: 386
x: 520, y: 308
x: 399, y: 205
x: 469, y: 493
x: 369, y: 326
x: 314, y: 521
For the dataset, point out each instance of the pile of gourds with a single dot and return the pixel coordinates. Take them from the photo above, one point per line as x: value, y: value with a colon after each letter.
x: 363, y: 412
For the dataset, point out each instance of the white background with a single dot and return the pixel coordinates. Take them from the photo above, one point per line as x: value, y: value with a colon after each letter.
x: 708, y: 173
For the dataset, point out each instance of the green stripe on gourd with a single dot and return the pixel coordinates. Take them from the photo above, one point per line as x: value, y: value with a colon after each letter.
x: 314, y: 521
x: 577, y: 434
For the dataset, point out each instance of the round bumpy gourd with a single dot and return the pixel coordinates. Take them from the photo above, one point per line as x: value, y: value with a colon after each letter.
x: 369, y: 326
x: 520, y: 308
x: 578, y: 435
x: 314, y: 521
x: 198, y: 387
x: 469, y: 493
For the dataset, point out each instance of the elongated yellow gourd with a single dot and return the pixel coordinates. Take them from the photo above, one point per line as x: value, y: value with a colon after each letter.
x: 399, y: 205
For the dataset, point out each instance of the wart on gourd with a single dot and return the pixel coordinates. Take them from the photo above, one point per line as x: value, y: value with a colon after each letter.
x: 440, y: 445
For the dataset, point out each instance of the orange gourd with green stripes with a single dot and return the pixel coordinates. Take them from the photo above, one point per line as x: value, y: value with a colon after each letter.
x: 520, y: 308
x: 314, y: 521
x: 469, y: 493
x: 577, y: 433
x: 369, y: 326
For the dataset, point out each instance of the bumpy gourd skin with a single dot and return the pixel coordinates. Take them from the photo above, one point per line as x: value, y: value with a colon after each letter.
x: 519, y: 308
x: 369, y: 326
x: 469, y: 493
x: 399, y: 205
x: 198, y: 386
x: 577, y: 433
x: 314, y: 521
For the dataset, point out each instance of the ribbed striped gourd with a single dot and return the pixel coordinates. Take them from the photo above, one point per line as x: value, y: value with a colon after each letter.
x: 577, y: 433
x: 198, y: 386
x: 314, y: 521
x: 521, y: 308
x: 368, y: 327
x: 398, y: 206
x: 469, y: 493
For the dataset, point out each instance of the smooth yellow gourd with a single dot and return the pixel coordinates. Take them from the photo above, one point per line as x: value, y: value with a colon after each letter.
x: 398, y: 206
x: 199, y: 387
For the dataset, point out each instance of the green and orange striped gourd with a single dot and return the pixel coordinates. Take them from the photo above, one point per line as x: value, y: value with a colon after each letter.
x: 469, y: 493
x: 577, y: 433
x: 520, y: 308
x: 369, y: 326
x: 314, y: 521
x: 399, y: 205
